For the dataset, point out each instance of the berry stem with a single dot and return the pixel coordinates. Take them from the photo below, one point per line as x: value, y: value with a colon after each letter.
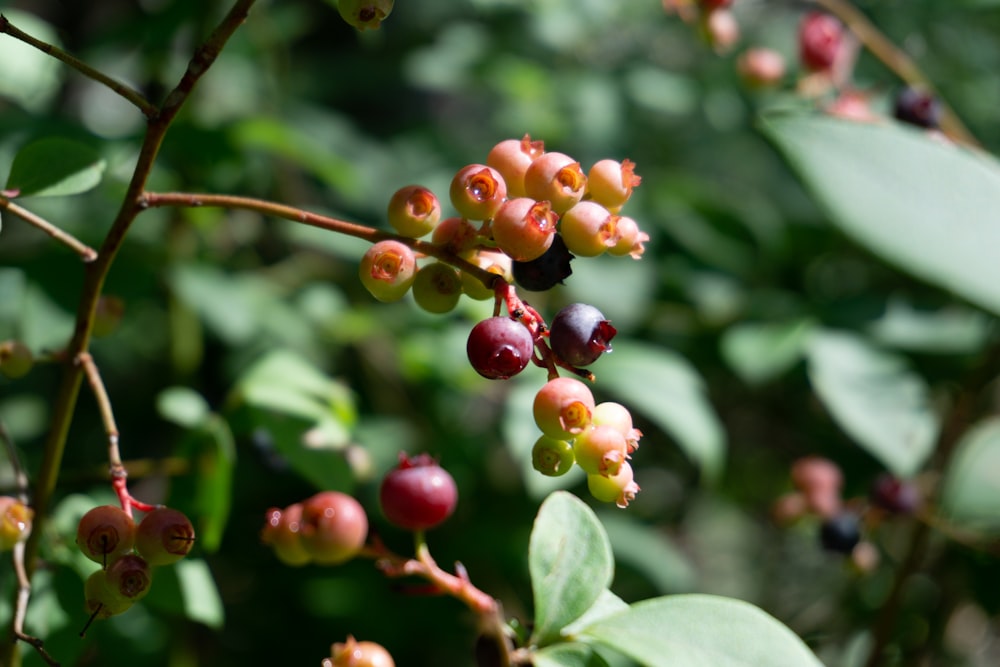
x: 364, y: 232
x: 896, y: 60
x: 85, y: 252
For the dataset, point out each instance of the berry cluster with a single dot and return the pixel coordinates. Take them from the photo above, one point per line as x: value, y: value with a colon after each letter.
x: 127, y: 552
x: 522, y: 217
x: 353, y: 653
x: 15, y: 522
x: 328, y: 528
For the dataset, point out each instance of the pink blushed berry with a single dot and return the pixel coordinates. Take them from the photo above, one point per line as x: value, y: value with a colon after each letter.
x: 387, y: 270
x: 563, y: 408
x: 455, y: 234
x: 610, y: 182
x: 761, y: 67
x: 618, y: 417
x: 556, y: 178
x: 477, y: 191
x: 589, y: 229
x: 631, y: 239
x: 523, y: 228
x: 493, y: 262
x: 414, y: 211
x: 619, y: 489
x: 512, y: 157
x: 821, y: 38
x: 600, y: 450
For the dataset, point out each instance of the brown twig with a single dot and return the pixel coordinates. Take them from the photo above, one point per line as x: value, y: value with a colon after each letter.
x: 85, y: 252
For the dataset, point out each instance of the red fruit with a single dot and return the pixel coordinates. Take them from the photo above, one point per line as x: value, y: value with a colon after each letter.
x: 895, y: 495
x: 164, y: 536
x: 499, y: 347
x: 333, y: 527
x: 418, y: 493
x: 104, y: 533
x: 130, y: 577
x: 353, y: 653
x: 821, y: 37
x: 524, y: 228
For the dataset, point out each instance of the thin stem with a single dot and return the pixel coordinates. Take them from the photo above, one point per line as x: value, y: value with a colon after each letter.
x: 286, y: 212
x: 85, y: 252
x: 130, y: 94
x: 896, y: 60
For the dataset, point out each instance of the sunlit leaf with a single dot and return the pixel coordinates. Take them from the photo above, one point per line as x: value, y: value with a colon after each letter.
x: 878, y: 401
x: 568, y: 655
x: 971, y: 491
x: 701, y: 630
x: 55, y: 167
x: 570, y: 561
x: 927, y: 206
x: 761, y: 352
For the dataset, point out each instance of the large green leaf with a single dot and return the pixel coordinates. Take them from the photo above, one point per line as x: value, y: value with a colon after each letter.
x: 568, y: 655
x: 668, y: 391
x: 701, y: 631
x: 929, y: 207
x: 875, y: 398
x: 759, y: 352
x: 570, y: 561
x: 54, y: 167
x: 971, y: 491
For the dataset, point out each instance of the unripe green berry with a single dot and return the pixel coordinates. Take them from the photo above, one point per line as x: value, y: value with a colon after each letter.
x: 552, y: 457
x: 437, y: 288
x: 16, y: 359
x: 494, y: 262
x: 103, y: 601
x: 414, y: 211
x: 388, y: 269
x: 620, y: 489
x: 477, y: 191
x: 600, y: 450
x: 364, y: 14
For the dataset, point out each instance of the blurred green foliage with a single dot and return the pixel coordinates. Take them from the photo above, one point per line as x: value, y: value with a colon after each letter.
x: 251, y: 368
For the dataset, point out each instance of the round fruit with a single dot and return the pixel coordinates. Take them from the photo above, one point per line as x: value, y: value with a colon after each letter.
x: 552, y: 457
x: 563, y: 408
x: 917, y: 107
x: 477, y: 191
x: 523, y: 228
x: 618, y: 417
x: 895, y: 495
x: 418, y: 493
x: 545, y: 272
x: 610, y: 182
x: 840, y: 533
x: 15, y: 521
x: 600, y: 450
x: 333, y: 527
x: 580, y: 333
x: 512, y: 157
x: 164, y: 536
x: 353, y: 653
x: 414, y: 211
x: 620, y: 489
x: 589, y: 229
x: 491, y: 261
x: 820, y: 40
x: 437, y: 288
x: 365, y: 14
x: 282, y: 532
x: 104, y: 533
x: 130, y: 577
x: 387, y: 270
x: 557, y: 179
x: 103, y: 601
x: 499, y: 347
x: 15, y: 359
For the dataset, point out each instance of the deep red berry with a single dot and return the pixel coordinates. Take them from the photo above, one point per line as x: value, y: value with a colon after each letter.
x: 917, y: 107
x: 821, y: 38
x: 104, y: 533
x: 499, y: 347
x: 164, y: 536
x: 418, y: 493
x: 333, y: 527
x: 895, y: 495
x: 580, y: 333
x: 840, y: 533
x: 545, y: 272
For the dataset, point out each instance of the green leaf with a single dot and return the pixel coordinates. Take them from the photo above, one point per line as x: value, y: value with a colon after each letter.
x: 701, y: 631
x: 669, y: 392
x: 182, y: 406
x: 570, y: 561
x: 951, y: 330
x: 568, y: 655
x: 54, y: 167
x: 971, y: 491
x: 188, y: 588
x: 27, y: 75
x: 762, y: 352
x: 606, y: 605
x: 927, y: 206
x: 211, y: 450
x: 878, y: 401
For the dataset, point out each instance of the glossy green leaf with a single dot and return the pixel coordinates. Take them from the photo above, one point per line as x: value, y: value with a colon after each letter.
x: 701, y: 631
x: 929, y: 207
x: 606, y: 604
x: 570, y: 561
x: 971, y: 490
x: 568, y: 655
x: 878, y: 401
x: 669, y: 392
x: 54, y: 167
x: 761, y: 352
x: 182, y: 406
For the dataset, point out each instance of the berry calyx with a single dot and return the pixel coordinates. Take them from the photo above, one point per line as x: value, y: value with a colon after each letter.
x: 164, y: 536
x: 821, y: 37
x: 333, y: 527
x: 552, y: 457
x: 414, y: 211
x: 499, y: 347
x: 388, y: 269
x: 580, y: 333
x: 841, y: 532
x: 548, y: 270
x: 437, y: 288
x: 353, y: 653
x: 418, y: 493
x: 524, y: 228
x: 556, y: 178
x: 365, y: 14
x: 104, y: 533
x: 563, y: 408
x: 477, y: 191
x: 600, y: 450
x: 15, y: 522
x: 130, y: 577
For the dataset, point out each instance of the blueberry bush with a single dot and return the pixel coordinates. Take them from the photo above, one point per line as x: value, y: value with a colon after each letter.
x: 496, y: 332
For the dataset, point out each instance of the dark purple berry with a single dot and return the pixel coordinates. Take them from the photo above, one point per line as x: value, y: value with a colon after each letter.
x: 548, y: 270
x: 580, y: 334
x: 918, y: 107
x: 499, y: 347
x: 841, y: 533
x: 895, y: 495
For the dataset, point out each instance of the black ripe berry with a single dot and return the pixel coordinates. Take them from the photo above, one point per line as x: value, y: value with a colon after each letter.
x: 841, y: 533
x: 918, y: 107
x: 546, y: 271
x: 580, y: 334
